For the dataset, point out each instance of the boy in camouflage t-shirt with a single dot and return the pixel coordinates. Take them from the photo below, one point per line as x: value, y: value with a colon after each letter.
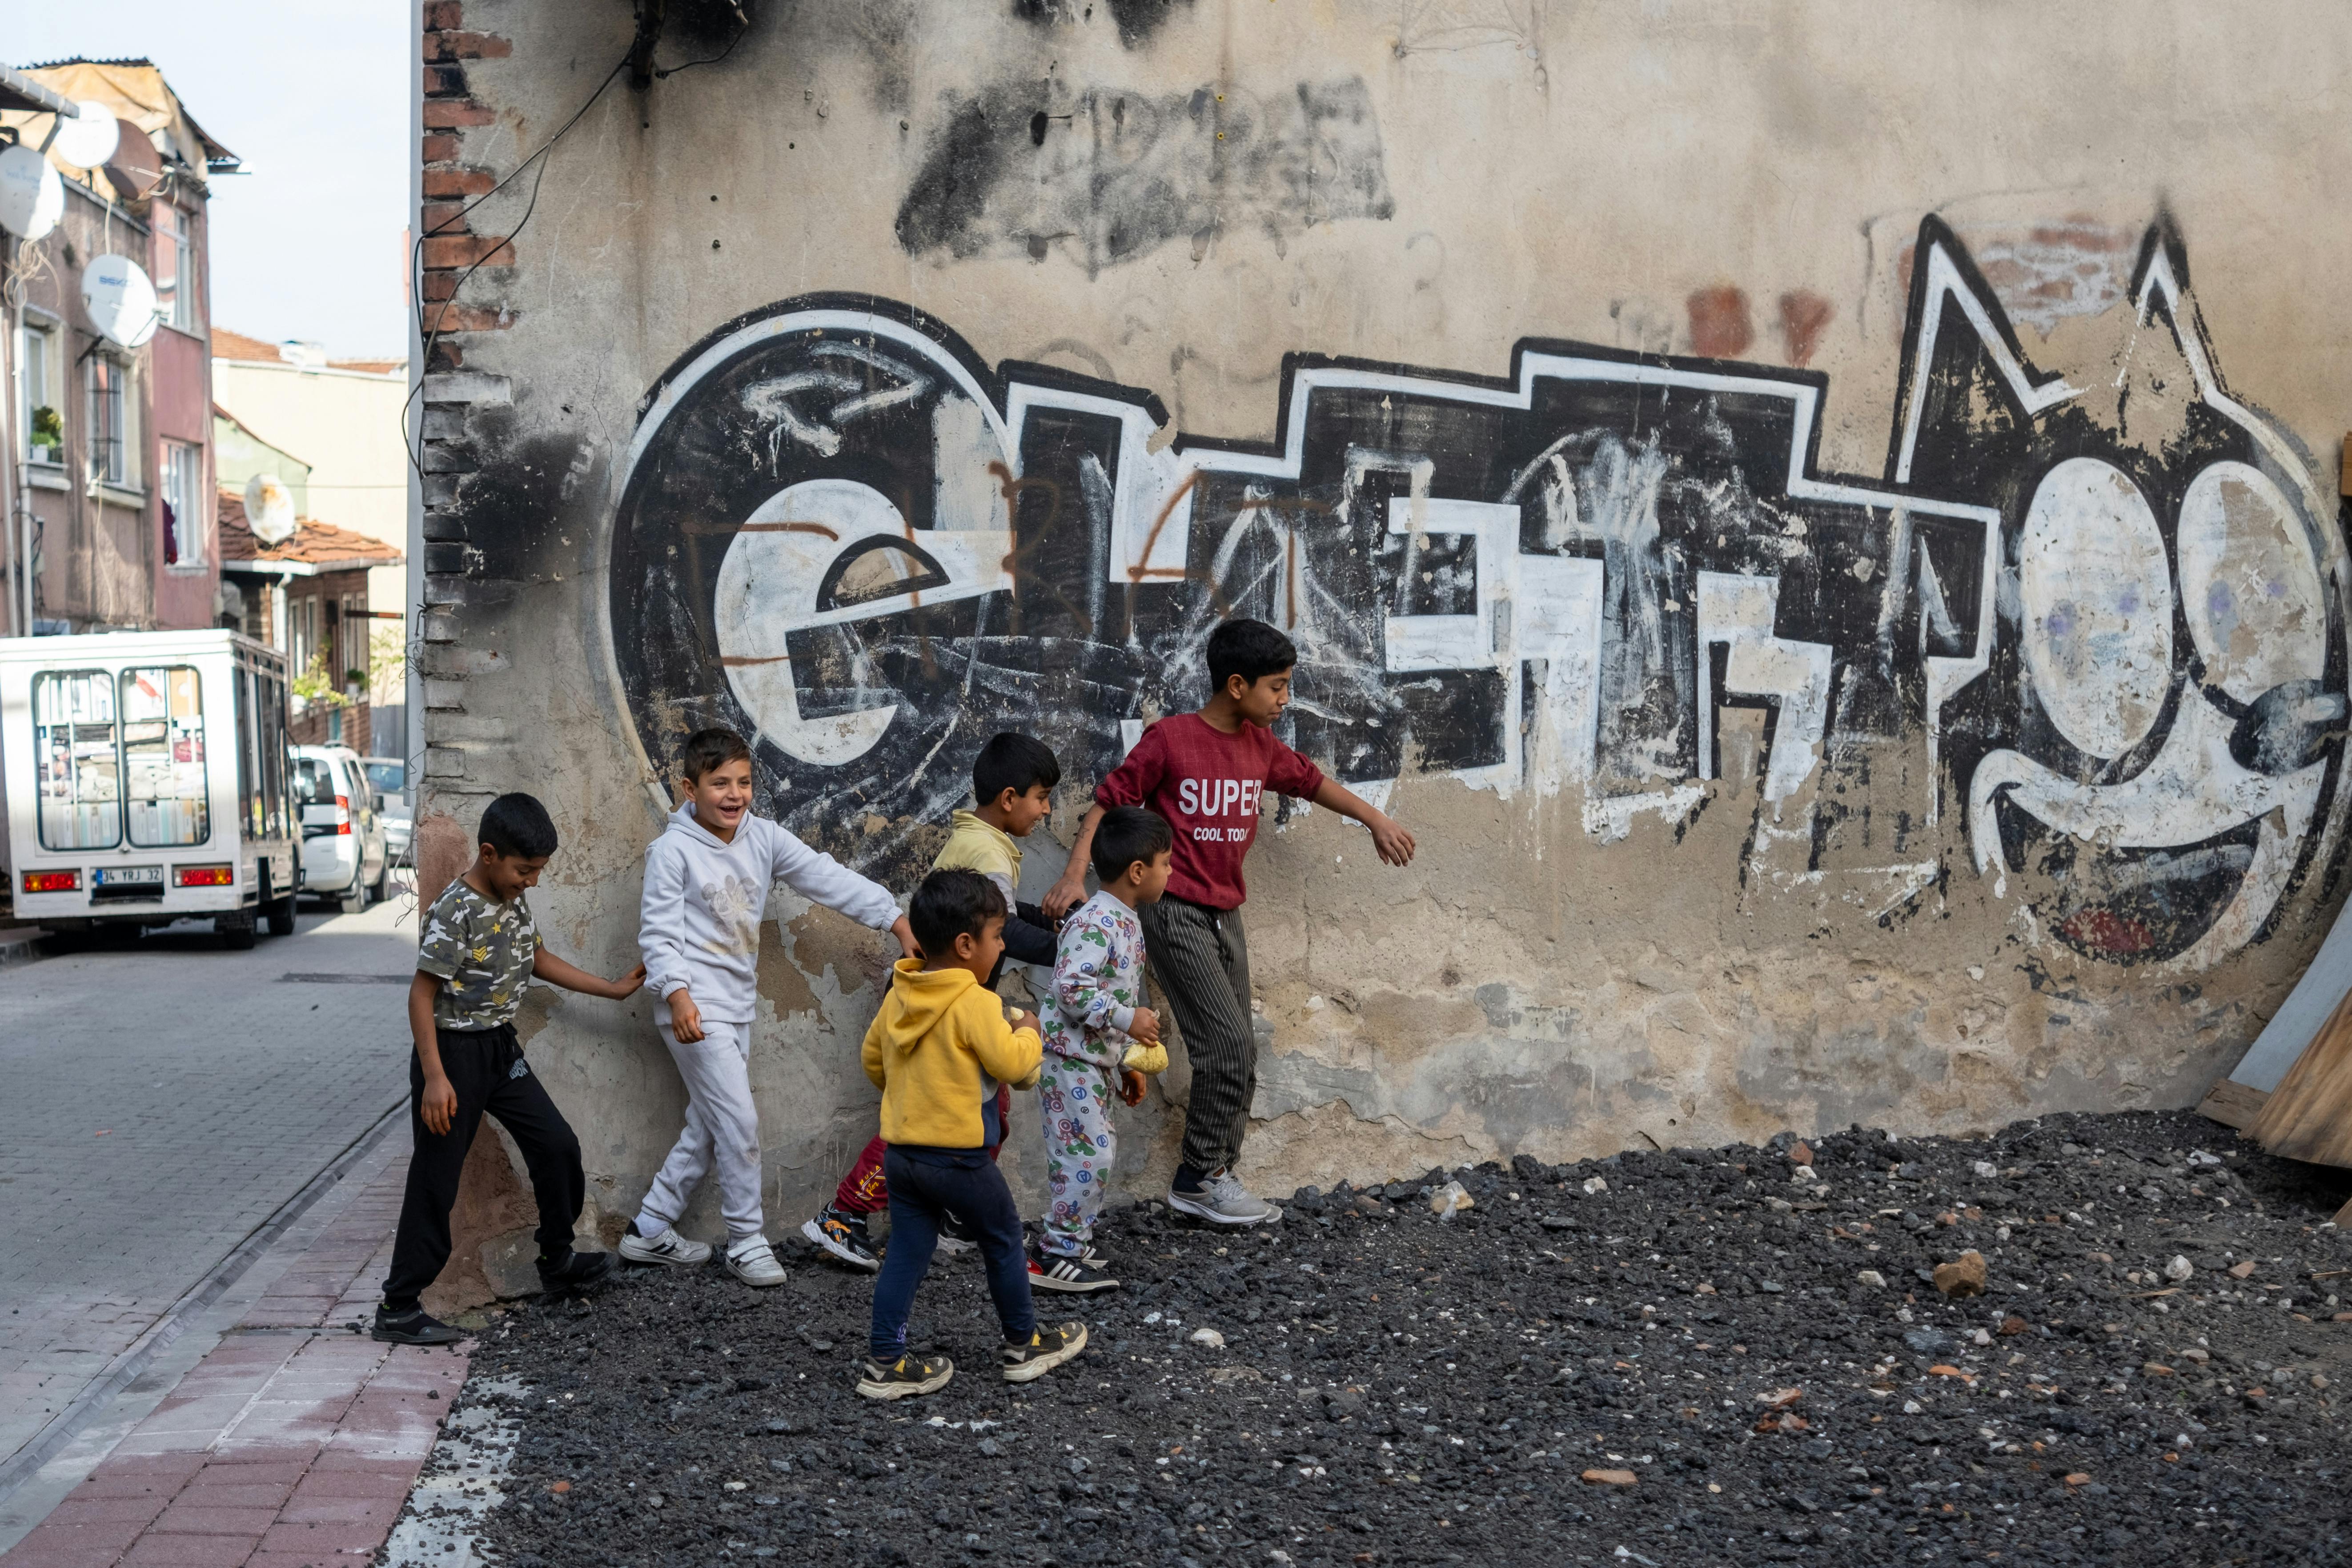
x: 1100, y: 1039
x: 478, y: 950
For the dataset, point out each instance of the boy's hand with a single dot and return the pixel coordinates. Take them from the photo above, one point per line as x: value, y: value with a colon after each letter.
x: 1067, y: 894
x: 1021, y: 1019
x: 1393, y: 843
x: 439, y: 1106
x: 685, y: 1017
x: 1130, y: 1087
x: 1144, y: 1030
x: 628, y: 985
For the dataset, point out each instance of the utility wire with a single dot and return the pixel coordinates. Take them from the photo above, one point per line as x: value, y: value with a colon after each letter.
x: 441, y: 309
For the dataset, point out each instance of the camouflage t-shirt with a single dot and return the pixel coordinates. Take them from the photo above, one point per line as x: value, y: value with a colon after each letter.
x: 484, y: 951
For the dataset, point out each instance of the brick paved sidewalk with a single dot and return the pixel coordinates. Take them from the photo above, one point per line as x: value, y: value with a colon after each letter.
x: 293, y: 1443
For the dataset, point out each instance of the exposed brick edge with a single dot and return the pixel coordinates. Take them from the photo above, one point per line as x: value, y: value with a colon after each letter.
x: 451, y: 391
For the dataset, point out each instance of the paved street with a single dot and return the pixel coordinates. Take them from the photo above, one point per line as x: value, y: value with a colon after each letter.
x: 159, y: 1102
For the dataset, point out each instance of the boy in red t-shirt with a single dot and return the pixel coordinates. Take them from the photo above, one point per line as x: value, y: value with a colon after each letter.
x: 1204, y: 772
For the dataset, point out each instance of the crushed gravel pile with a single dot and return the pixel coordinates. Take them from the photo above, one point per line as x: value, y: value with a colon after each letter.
x: 1692, y: 1357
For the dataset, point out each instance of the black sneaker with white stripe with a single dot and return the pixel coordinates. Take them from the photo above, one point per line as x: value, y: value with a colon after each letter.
x: 1075, y: 1276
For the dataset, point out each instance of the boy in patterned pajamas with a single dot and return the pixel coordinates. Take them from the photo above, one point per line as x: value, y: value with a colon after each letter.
x: 1100, y: 1040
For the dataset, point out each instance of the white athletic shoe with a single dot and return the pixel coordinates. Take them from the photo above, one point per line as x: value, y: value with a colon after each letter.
x: 668, y: 1248
x: 754, y: 1263
x: 1221, y: 1199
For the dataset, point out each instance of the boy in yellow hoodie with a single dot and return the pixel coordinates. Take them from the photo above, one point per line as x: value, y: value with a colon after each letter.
x: 938, y: 1040
x: 1013, y: 782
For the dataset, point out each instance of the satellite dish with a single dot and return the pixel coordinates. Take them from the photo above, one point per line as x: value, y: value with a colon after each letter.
x: 32, y: 197
x: 132, y: 168
x: 269, y: 510
x: 87, y: 143
x: 119, y: 299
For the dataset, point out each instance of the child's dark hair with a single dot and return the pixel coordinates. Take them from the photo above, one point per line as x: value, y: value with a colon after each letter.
x: 1011, y: 762
x: 1125, y: 835
x: 1251, y: 650
x: 518, y: 825
x: 951, y: 904
x: 705, y: 750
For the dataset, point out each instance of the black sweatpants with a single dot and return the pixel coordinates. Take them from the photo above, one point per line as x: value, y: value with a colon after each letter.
x: 487, y: 1069
x: 1201, y: 959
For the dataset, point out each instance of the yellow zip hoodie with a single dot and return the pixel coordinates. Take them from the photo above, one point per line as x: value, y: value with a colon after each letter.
x: 939, y: 1038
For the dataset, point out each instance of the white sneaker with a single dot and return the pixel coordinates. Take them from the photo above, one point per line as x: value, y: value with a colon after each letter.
x: 668, y: 1248
x: 1221, y: 1199
x: 754, y: 1263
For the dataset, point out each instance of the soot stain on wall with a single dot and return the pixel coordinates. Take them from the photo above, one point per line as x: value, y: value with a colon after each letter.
x: 1106, y: 176
x: 1137, y: 20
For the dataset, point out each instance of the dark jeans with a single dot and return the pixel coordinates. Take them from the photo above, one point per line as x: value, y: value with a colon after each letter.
x: 487, y: 1069
x: 925, y: 1184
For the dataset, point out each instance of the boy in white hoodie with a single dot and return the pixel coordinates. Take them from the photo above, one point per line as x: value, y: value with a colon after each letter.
x: 707, y: 881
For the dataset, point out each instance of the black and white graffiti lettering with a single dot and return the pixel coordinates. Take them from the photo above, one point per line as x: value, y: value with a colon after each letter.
x: 2122, y: 669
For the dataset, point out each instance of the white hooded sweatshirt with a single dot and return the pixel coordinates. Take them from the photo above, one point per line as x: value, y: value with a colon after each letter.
x: 698, y: 925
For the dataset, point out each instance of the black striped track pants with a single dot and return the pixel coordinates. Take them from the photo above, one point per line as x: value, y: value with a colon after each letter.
x: 1201, y: 959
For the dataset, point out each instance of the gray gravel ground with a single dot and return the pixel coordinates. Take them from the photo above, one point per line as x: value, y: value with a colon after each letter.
x: 1393, y: 1388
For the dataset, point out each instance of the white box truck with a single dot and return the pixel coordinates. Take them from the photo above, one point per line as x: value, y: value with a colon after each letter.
x: 148, y: 781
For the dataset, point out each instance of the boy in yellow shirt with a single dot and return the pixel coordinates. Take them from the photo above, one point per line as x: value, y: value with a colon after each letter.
x: 1013, y: 782
x: 938, y: 1040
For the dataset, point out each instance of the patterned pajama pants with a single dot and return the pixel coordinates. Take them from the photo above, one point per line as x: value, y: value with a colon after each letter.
x: 1074, y: 1098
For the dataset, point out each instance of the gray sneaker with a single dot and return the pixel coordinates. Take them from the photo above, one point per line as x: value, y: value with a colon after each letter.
x: 1222, y: 1200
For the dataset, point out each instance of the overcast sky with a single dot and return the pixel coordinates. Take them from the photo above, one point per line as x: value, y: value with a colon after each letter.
x: 313, y: 95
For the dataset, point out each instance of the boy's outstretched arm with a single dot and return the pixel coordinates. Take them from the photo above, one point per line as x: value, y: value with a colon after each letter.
x: 821, y: 880
x: 439, y: 1103
x: 545, y: 966
x: 1390, y: 839
x: 1069, y: 890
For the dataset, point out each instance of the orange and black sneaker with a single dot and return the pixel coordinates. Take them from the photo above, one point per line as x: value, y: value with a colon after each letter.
x: 842, y: 1235
x: 904, y: 1378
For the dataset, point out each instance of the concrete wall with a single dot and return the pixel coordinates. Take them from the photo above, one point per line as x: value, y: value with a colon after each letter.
x: 1858, y: 635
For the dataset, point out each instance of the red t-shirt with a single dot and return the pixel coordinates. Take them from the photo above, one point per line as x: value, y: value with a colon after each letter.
x: 1207, y: 783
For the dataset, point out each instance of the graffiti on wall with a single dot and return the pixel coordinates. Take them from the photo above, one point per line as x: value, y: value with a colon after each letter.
x: 2104, y: 676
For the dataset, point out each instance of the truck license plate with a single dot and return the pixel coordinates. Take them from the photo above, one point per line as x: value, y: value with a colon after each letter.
x: 129, y: 875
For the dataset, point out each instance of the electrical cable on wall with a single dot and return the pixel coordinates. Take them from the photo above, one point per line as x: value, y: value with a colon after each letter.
x: 431, y: 338
x: 417, y: 255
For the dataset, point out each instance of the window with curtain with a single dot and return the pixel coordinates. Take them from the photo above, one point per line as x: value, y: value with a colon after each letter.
x: 183, y: 517
x: 185, y: 288
x: 45, y: 431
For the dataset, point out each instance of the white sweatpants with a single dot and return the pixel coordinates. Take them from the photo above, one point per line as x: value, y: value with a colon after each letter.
x: 722, y: 1131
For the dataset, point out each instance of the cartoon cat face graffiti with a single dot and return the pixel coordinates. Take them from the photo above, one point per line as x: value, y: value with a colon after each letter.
x: 2150, y: 757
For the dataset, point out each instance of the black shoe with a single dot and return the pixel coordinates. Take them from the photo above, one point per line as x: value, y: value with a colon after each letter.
x: 1046, y: 1349
x: 955, y: 1235
x: 902, y: 1379
x: 414, y: 1327
x: 1075, y: 1276
x: 842, y: 1235
x: 577, y: 1273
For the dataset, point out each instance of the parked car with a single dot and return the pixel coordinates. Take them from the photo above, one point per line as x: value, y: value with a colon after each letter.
x: 343, y: 854
x: 395, y: 802
x: 148, y: 781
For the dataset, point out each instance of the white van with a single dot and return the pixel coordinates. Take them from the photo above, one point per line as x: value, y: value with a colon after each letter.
x: 148, y: 781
